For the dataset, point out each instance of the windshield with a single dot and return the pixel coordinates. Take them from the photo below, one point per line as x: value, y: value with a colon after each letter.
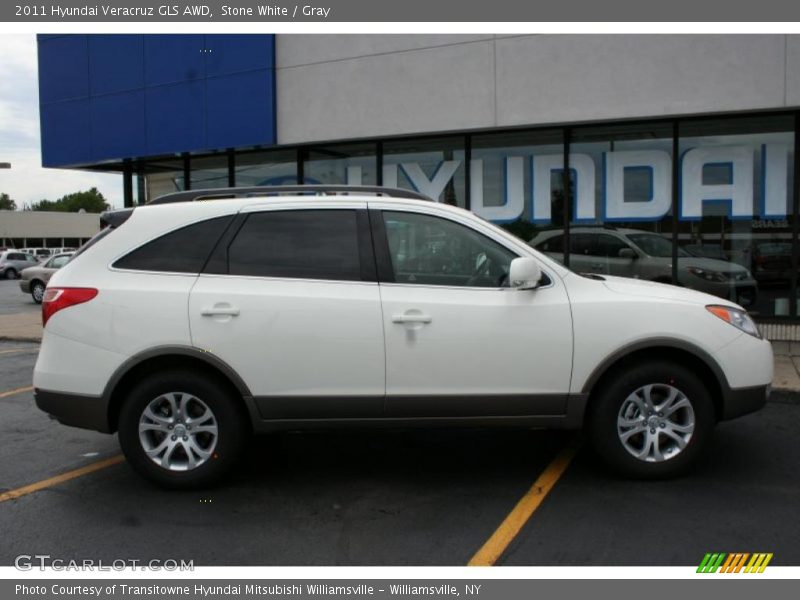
x: 654, y: 245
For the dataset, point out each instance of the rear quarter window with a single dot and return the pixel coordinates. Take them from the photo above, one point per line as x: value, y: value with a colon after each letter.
x: 184, y: 250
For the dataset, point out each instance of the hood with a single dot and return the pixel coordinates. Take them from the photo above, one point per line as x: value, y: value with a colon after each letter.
x: 664, y: 291
x: 711, y: 264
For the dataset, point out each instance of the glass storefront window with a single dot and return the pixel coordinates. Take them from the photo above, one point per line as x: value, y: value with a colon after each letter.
x: 621, y: 180
x: 516, y: 180
x: 434, y: 167
x: 266, y: 168
x: 734, y: 218
x: 209, y: 172
x: 353, y: 164
x: 162, y: 177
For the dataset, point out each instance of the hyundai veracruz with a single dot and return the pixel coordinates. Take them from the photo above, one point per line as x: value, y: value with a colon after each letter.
x: 186, y: 326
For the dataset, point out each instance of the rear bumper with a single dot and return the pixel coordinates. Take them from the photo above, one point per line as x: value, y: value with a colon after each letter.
x: 744, y: 401
x: 76, y: 410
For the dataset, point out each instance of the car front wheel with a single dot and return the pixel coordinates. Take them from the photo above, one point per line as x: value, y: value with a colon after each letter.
x: 182, y: 430
x: 37, y: 291
x: 11, y: 274
x: 651, y: 420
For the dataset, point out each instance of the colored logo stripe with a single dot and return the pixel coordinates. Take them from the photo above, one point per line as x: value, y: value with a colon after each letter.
x: 711, y: 563
x: 734, y: 562
x: 758, y: 563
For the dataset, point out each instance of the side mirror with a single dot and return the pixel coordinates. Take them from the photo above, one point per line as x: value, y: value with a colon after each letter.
x: 627, y: 253
x: 524, y: 274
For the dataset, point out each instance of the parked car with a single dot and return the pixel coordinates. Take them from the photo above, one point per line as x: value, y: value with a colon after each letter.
x: 34, y: 279
x: 63, y: 250
x: 12, y: 262
x: 772, y: 262
x: 41, y: 254
x: 647, y: 255
x: 185, y: 326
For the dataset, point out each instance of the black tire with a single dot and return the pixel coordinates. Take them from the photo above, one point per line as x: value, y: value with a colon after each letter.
x: 37, y: 286
x: 607, y: 404
x: 11, y: 273
x: 231, y: 421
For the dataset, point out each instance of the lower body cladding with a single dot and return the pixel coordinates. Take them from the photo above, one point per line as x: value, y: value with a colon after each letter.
x: 558, y: 411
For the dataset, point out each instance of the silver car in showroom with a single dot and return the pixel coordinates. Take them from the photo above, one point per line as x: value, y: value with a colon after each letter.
x: 647, y: 255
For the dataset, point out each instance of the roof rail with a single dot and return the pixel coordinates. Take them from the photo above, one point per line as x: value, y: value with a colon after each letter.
x: 272, y: 190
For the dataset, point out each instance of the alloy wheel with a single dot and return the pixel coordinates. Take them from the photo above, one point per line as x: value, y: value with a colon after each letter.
x: 38, y: 292
x: 656, y: 422
x: 178, y: 431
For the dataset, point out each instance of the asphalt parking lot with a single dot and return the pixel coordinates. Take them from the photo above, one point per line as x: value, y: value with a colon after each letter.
x: 425, y: 497
x: 13, y: 301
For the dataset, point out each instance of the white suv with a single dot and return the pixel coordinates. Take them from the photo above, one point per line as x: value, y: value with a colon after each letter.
x: 188, y: 325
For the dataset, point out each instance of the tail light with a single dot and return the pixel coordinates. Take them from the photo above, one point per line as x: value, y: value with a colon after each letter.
x: 56, y: 299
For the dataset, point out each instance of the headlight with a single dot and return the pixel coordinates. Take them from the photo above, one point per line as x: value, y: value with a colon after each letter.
x: 707, y: 275
x: 736, y: 317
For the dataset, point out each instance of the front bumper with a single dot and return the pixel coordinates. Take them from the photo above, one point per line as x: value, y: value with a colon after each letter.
x: 25, y: 285
x: 76, y: 410
x: 744, y: 401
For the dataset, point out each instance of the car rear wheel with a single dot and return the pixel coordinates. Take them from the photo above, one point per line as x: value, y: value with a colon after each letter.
x: 37, y: 291
x: 651, y: 420
x: 11, y: 273
x: 182, y: 430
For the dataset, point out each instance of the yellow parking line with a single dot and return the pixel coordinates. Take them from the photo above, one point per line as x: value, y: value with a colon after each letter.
x: 46, y: 483
x: 16, y: 391
x: 494, y: 547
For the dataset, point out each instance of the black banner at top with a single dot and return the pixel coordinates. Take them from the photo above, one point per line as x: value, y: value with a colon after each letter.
x: 443, y: 11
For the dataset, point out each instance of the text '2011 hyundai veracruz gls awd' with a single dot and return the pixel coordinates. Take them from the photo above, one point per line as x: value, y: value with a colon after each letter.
x: 186, y: 326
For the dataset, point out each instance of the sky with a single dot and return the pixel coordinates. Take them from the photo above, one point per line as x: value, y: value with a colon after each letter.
x: 27, y: 181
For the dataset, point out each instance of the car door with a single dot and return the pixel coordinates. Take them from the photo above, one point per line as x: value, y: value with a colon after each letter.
x: 23, y: 261
x: 289, y: 299
x: 605, y: 251
x: 459, y: 342
x: 580, y: 254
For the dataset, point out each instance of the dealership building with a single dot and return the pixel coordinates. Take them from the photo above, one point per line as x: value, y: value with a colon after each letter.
x: 667, y: 157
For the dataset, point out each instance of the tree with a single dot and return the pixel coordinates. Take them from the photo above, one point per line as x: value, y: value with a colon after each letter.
x: 91, y: 201
x: 6, y: 203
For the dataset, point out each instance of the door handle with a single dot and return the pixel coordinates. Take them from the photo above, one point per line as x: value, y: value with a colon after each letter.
x: 411, y: 318
x: 220, y: 310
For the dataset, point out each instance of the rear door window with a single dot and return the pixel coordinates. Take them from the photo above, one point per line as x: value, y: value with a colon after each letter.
x: 554, y: 244
x: 303, y: 244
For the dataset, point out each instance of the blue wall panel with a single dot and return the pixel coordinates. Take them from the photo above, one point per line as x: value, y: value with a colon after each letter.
x: 176, y: 117
x: 173, y: 58
x: 67, y: 125
x: 106, y: 98
x: 227, y: 54
x: 116, y: 63
x: 65, y: 60
x: 118, y: 125
x: 249, y: 96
